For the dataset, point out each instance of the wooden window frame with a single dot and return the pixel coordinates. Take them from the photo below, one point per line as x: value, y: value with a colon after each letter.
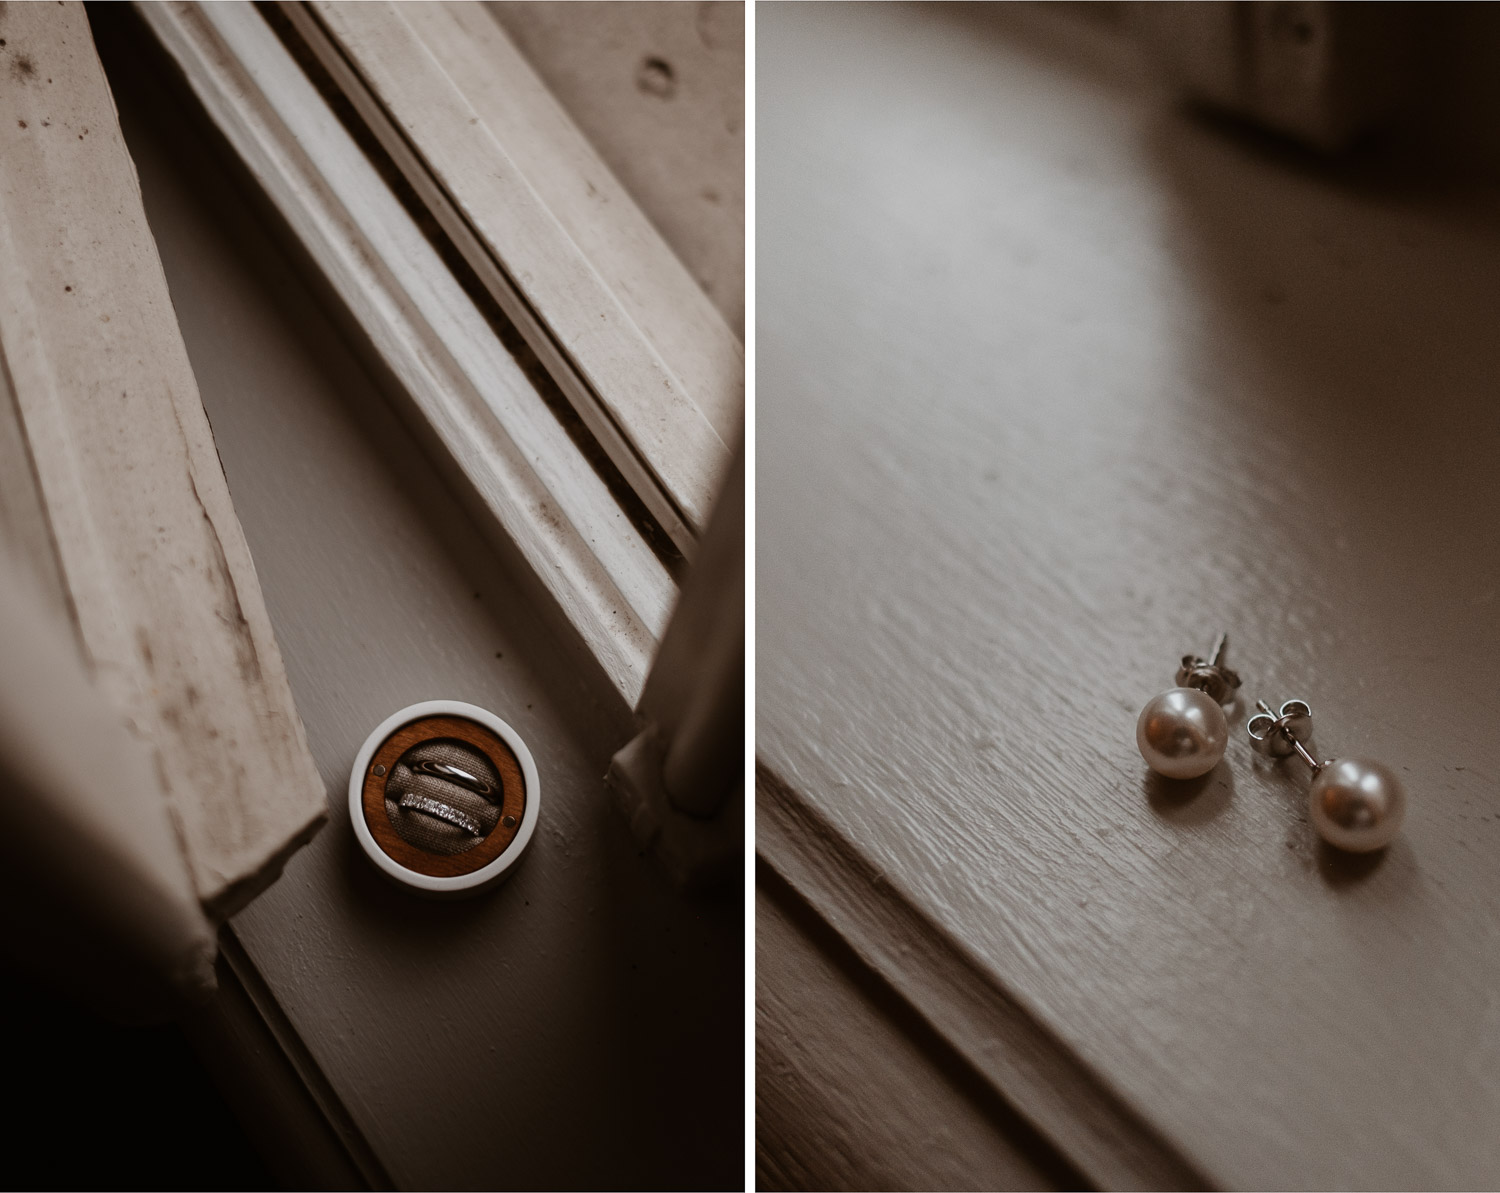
x: 535, y: 486
x: 115, y: 502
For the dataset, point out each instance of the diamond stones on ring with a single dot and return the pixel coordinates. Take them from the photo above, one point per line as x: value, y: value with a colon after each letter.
x: 441, y: 811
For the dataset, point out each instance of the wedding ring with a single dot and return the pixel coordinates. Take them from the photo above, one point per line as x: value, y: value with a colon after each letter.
x: 462, y: 777
x: 441, y: 811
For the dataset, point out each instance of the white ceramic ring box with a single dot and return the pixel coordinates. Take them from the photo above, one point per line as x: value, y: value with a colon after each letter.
x: 444, y: 798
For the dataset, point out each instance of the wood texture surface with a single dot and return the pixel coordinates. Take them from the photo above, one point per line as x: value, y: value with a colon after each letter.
x: 581, y: 1025
x: 999, y: 1037
x: 1054, y: 384
x: 539, y: 492
x: 681, y: 782
x: 512, y: 796
x: 824, y: 1031
x: 279, y: 1097
x: 642, y: 354
x: 600, y: 215
x: 95, y: 896
x: 659, y: 90
x: 132, y: 518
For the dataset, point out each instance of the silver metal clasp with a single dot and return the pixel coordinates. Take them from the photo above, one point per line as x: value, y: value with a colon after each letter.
x: 1286, y: 731
x: 1210, y: 675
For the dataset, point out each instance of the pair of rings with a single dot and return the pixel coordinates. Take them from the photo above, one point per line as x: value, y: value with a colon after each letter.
x: 487, y: 856
x: 436, y: 808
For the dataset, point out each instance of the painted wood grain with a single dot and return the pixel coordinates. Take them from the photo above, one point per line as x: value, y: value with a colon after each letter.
x: 285, y: 1106
x: 538, y: 490
x: 681, y: 781
x: 999, y: 1037
x: 823, y: 1031
x: 97, y: 899
x: 138, y: 520
x: 644, y: 357
x: 580, y: 1026
x: 1054, y: 384
x: 600, y: 215
x: 659, y: 90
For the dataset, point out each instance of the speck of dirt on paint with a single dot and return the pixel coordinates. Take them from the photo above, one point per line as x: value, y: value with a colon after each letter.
x: 69, y: 289
x: 22, y: 123
x: 23, y: 68
x: 103, y: 318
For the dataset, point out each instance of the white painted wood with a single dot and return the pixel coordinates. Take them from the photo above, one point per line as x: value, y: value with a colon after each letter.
x: 157, y: 576
x: 509, y: 295
x: 924, y: 964
x: 582, y: 1025
x: 1326, y: 74
x: 681, y: 781
x: 600, y: 216
x: 635, y: 344
x: 695, y: 693
x: 25, y: 535
x: 823, y: 1034
x: 542, y: 493
x: 659, y: 90
x: 282, y: 1102
x: 97, y: 898
x: 1054, y: 384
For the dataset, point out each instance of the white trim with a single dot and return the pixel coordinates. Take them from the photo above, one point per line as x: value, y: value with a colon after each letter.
x: 674, y: 138
x: 462, y: 884
x: 543, y: 494
x: 640, y: 351
x: 132, y: 525
x: 1007, y: 1043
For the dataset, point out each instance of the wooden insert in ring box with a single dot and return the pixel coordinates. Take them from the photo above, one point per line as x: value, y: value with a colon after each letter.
x: 413, y: 857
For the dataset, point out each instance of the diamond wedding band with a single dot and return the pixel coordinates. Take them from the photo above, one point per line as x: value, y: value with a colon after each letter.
x: 441, y: 811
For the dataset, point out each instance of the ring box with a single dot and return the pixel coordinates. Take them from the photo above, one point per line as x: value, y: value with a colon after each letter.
x: 444, y: 828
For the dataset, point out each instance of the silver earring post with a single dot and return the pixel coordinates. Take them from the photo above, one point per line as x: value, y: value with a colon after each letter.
x: 1354, y: 803
x: 1282, y: 733
x: 1210, y: 675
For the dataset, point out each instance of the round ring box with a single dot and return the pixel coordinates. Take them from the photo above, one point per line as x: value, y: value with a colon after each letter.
x: 444, y: 798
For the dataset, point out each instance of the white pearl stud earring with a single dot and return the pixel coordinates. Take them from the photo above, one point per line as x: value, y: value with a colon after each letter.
x: 1182, y: 733
x: 1355, y: 804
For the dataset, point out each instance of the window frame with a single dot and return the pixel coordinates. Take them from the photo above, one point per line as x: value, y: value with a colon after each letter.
x: 538, y: 490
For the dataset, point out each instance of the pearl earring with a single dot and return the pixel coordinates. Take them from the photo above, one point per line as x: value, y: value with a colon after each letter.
x: 1182, y: 733
x: 1355, y: 804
